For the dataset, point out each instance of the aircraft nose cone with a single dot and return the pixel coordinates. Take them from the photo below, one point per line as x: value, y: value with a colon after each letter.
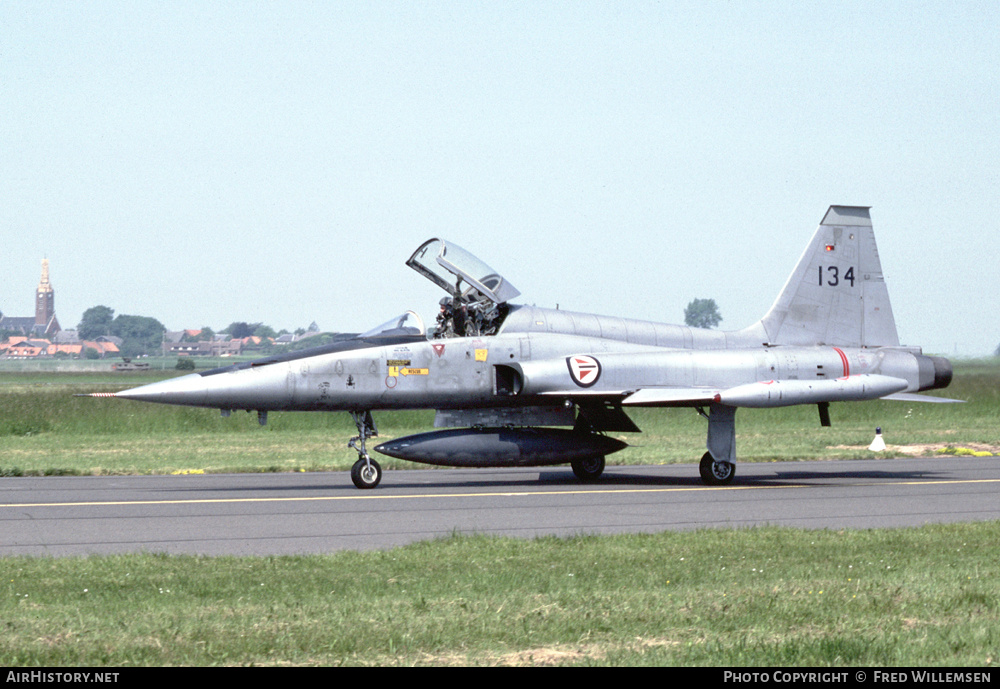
x: 189, y: 389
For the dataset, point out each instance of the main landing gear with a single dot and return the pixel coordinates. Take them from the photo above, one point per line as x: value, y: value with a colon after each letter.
x: 718, y: 466
x: 366, y: 472
x: 588, y: 469
x: 715, y: 473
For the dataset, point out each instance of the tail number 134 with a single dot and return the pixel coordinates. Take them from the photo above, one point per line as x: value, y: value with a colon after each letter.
x: 830, y: 276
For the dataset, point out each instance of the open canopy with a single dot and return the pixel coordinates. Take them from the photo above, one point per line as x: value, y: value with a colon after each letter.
x: 449, y: 266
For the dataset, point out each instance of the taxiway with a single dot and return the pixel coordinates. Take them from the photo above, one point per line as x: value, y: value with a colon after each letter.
x: 267, y: 514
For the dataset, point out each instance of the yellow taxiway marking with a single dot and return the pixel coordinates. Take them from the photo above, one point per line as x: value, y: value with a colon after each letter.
x: 428, y: 496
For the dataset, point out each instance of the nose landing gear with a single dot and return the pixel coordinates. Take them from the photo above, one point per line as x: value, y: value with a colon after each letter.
x: 366, y: 472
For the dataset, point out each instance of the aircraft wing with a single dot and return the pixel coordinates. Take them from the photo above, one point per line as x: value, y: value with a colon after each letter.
x: 913, y: 397
x: 583, y: 395
x: 671, y: 397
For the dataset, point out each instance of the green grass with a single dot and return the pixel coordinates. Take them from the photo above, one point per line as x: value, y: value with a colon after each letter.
x: 44, y: 429
x: 758, y: 597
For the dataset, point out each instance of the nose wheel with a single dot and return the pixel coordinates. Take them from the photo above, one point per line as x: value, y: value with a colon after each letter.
x: 366, y: 472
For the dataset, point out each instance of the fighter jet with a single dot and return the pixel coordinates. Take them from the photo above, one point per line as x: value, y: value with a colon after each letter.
x: 517, y: 385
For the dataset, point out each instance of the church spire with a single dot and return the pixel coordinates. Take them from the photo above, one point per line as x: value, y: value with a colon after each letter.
x: 44, y: 298
x: 44, y: 285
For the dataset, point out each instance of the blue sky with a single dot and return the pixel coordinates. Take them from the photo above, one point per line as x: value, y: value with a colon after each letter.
x: 207, y: 162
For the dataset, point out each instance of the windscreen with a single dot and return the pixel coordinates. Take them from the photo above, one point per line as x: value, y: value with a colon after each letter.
x: 406, y: 324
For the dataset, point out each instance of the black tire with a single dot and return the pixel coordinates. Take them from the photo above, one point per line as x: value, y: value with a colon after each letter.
x: 364, y: 477
x: 716, y: 473
x: 589, y: 469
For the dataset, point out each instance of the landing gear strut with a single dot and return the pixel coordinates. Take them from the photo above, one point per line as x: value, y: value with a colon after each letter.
x: 718, y: 465
x: 366, y: 472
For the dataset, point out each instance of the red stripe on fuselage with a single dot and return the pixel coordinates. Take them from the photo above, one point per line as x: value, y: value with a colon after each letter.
x: 843, y: 359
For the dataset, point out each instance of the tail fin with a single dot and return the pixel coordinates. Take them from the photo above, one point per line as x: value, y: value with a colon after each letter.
x: 836, y: 295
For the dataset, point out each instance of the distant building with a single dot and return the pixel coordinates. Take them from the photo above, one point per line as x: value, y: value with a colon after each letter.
x: 24, y: 348
x: 220, y: 345
x: 44, y: 324
x: 21, y: 347
x: 188, y: 348
x: 66, y: 337
x: 24, y: 325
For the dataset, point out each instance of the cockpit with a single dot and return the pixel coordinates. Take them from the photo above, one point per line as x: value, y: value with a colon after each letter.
x: 476, y: 304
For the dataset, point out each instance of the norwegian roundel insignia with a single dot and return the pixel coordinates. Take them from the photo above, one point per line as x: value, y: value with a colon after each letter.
x: 584, y: 370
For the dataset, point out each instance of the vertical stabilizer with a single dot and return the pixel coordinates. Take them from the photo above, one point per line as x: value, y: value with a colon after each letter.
x: 836, y: 295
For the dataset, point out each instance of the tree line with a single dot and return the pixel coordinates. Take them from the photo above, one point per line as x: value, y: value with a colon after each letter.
x: 142, y: 335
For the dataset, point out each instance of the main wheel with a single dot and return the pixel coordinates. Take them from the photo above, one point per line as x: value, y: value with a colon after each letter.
x: 588, y: 469
x: 365, y: 476
x: 716, y: 473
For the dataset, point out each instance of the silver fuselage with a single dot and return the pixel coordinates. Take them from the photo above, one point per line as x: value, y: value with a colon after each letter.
x: 532, y: 349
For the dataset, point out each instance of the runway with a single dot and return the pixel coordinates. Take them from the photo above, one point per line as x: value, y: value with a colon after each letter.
x: 273, y: 514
